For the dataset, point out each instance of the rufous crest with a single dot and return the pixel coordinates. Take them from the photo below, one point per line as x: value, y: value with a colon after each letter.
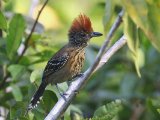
x: 82, y: 22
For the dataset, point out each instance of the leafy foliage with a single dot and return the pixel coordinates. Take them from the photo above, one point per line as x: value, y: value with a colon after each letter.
x: 144, y: 17
x: 108, y: 112
x: 118, y: 79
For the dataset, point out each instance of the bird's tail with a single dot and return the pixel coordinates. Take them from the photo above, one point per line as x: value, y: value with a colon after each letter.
x: 37, y: 96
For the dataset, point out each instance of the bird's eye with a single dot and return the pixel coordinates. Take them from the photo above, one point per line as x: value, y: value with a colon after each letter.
x: 82, y: 35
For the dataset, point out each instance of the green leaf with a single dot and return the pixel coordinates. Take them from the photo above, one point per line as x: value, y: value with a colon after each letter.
x: 139, y: 60
x: 133, y: 34
x: 15, y: 34
x: 3, y: 22
x: 16, y: 70
x: 108, y: 112
x: 17, y: 112
x: 146, y: 15
x: 16, y: 91
x: 130, y: 30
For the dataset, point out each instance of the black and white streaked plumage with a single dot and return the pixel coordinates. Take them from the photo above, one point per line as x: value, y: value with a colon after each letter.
x: 68, y: 61
x: 53, y: 65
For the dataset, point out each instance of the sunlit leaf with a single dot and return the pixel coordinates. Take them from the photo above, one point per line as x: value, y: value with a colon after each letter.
x: 15, y: 34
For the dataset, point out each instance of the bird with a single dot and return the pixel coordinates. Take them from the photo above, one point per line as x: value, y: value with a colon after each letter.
x: 67, y: 63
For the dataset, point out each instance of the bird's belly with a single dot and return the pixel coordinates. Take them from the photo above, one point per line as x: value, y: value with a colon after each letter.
x: 77, y: 63
x: 59, y: 76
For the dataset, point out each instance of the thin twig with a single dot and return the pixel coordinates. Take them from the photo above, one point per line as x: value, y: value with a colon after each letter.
x: 3, y: 81
x: 32, y: 30
x: 121, y: 42
x: 61, y: 106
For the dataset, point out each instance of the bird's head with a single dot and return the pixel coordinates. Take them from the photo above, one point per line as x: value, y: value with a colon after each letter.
x: 81, y: 31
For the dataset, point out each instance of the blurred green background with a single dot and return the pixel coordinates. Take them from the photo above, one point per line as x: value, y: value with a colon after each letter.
x: 126, y: 88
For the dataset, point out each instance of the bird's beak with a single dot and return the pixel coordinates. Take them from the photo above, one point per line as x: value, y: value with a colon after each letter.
x: 96, y: 34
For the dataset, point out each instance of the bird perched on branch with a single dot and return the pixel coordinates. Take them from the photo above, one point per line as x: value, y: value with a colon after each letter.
x: 67, y: 63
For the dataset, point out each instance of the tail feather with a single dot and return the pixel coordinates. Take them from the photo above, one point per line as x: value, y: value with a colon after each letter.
x: 37, y: 96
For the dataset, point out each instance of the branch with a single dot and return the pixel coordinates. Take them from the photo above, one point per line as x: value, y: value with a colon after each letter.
x: 61, y: 106
x: 120, y: 43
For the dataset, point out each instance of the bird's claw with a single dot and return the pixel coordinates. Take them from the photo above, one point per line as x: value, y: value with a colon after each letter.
x: 76, y: 92
x: 63, y: 96
x: 79, y: 75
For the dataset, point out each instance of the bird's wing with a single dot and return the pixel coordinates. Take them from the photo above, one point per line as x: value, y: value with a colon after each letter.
x: 55, y: 64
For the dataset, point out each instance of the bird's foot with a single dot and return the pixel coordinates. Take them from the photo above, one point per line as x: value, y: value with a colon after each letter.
x: 78, y: 75
x: 76, y: 92
x: 74, y: 78
x: 63, y: 96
